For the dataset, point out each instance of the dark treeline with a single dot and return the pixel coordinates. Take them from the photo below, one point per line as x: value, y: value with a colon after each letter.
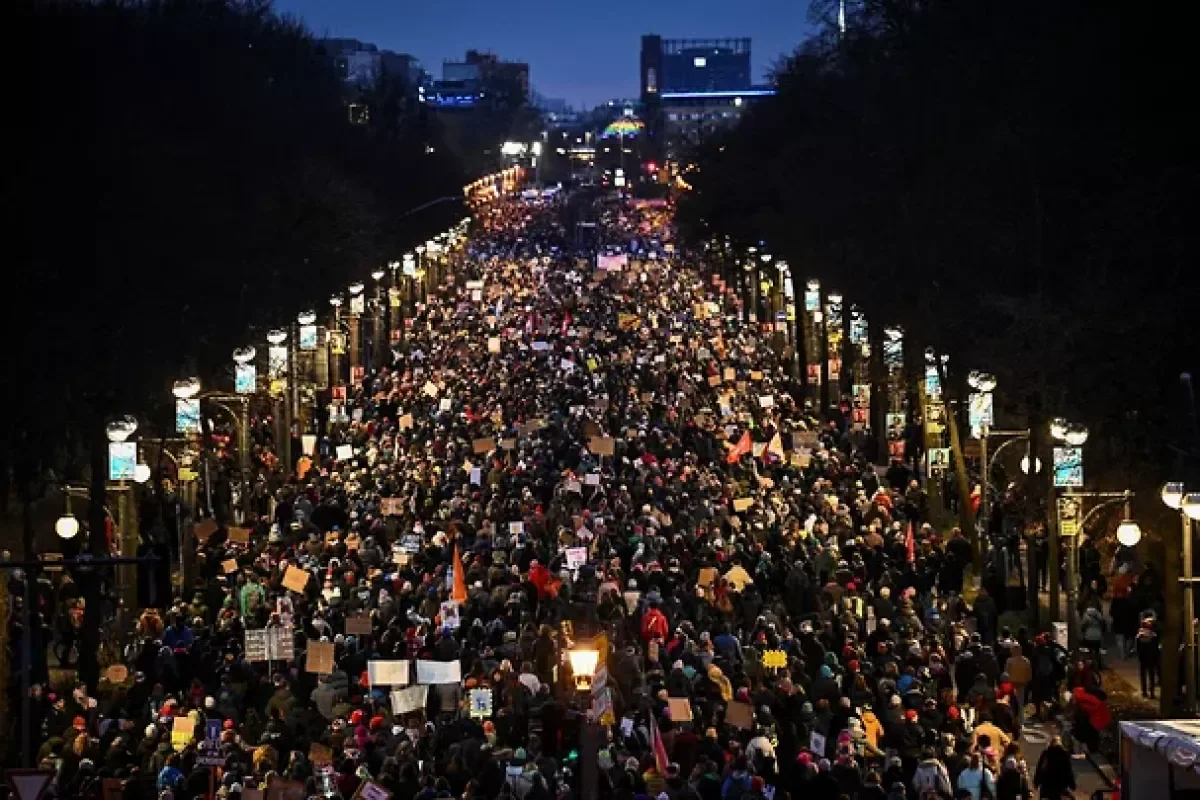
x: 187, y: 172
x: 1008, y: 179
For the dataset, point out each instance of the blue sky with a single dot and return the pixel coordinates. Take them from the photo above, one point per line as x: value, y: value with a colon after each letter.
x: 583, y: 52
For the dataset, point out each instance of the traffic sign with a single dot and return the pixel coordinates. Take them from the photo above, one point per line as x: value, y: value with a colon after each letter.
x: 29, y: 784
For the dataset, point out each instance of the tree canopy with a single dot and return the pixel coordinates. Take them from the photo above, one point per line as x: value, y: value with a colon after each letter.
x: 189, y: 171
x: 1007, y: 180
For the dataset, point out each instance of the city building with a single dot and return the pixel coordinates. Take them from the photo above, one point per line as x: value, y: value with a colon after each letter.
x: 693, y: 88
x: 481, y: 79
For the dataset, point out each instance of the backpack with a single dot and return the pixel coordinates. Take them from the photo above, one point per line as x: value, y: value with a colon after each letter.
x: 738, y: 788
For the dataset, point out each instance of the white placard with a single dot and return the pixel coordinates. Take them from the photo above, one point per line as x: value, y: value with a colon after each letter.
x: 516, y: 527
x: 446, y: 404
x: 576, y: 557
x: 540, y: 346
x: 345, y: 452
x: 308, y: 443
x: 477, y: 476
x: 387, y: 673
x: 407, y: 701
x: 430, y: 389
x: 766, y: 401
x: 592, y: 479
x: 439, y: 672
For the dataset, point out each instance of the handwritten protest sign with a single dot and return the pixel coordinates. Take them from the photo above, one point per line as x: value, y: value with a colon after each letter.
x: 296, y: 579
x: 387, y: 673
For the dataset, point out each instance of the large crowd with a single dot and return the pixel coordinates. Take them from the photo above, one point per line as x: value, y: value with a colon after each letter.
x: 563, y: 457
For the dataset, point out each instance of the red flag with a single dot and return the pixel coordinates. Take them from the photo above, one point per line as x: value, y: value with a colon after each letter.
x: 656, y: 743
x: 743, y: 447
x: 910, y: 543
x: 459, y: 592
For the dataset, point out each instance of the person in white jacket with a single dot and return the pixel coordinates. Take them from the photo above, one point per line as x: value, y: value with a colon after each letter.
x: 931, y: 776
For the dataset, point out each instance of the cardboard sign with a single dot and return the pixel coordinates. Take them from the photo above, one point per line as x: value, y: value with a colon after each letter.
x: 229, y: 565
x: 280, y: 789
x: 391, y: 507
x: 483, y: 446
x: 756, y: 375
x: 182, y: 731
x: 431, y: 389
x: 714, y: 380
x: 388, y: 673
x: 730, y: 374
x: 117, y: 673
x: 739, y: 715
x: 493, y: 345
x: 508, y: 444
x: 708, y: 576
x: 239, y: 535
x: 406, y: 422
x: 679, y: 709
x: 358, y: 625
x: 602, y: 445
x: 319, y: 658
x: 296, y: 579
x: 631, y: 601
x: 766, y: 401
x: 204, y: 529
x: 344, y: 452
x: 738, y: 578
x: 742, y: 503
x: 410, y: 700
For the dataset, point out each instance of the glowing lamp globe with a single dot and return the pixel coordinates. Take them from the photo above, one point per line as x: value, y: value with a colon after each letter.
x: 1129, y: 533
x: 66, y: 526
x: 1172, y: 495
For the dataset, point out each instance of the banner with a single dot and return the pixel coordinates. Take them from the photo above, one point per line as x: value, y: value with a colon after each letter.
x: 439, y: 672
x: 122, y: 461
x: 1068, y: 467
x: 387, y: 673
x: 410, y: 700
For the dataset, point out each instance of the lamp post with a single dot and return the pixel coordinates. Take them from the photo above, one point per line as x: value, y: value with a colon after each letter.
x: 335, y: 362
x: 278, y: 339
x: 583, y: 667
x: 1187, y: 504
x: 378, y: 337
x: 357, y: 307
x: 302, y: 355
x: 984, y: 383
x: 1073, y: 434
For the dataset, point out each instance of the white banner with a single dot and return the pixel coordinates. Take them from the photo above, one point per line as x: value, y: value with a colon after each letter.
x: 387, y: 673
x: 439, y: 672
x: 406, y: 701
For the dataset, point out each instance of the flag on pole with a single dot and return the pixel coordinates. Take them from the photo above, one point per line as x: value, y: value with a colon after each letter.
x: 775, y: 446
x: 743, y: 447
x: 910, y: 543
x: 459, y: 593
x: 656, y: 743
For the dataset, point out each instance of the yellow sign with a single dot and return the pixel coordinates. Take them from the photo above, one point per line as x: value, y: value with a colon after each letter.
x: 774, y: 659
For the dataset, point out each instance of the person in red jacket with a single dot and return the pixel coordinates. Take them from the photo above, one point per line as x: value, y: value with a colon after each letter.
x: 654, y: 624
x: 1091, y: 716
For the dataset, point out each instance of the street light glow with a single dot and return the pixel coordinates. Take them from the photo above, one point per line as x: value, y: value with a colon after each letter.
x: 186, y: 388
x: 66, y: 526
x: 141, y: 473
x: 356, y: 288
x: 1058, y: 428
x: 120, y: 429
x: 306, y: 317
x: 1129, y: 533
x: 583, y: 667
x: 1191, y: 505
x: 1076, y: 434
x: 277, y: 336
x: 1172, y: 495
x: 244, y: 355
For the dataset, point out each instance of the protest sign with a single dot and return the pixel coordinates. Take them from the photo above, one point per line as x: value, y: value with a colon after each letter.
x: 239, y: 535
x: 438, y: 672
x: 494, y: 344
x: 480, y: 703
x: 345, y: 452
x: 410, y: 700
x: 319, y: 658
x: 679, y: 709
x: 182, y: 731
x: 483, y: 446
x: 229, y: 565
x: 602, y: 445
x: 388, y: 673
x: 740, y: 504
x: 358, y: 625
x: 739, y: 715
x: 296, y: 579
x: 576, y: 557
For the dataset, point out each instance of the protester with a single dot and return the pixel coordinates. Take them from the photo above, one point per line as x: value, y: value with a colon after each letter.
x: 567, y: 449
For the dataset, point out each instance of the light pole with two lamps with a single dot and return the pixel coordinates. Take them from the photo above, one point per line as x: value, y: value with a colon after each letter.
x: 584, y: 661
x: 1177, y: 498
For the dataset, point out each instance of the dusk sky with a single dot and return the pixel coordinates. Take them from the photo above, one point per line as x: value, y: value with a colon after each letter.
x: 582, y: 52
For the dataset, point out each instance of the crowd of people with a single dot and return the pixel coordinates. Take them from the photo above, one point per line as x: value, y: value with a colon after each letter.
x: 575, y: 454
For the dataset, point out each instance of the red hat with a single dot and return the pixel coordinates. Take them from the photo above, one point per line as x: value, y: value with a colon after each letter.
x: 356, y: 716
x: 227, y: 724
x: 376, y: 722
x: 79, y: 723
x: 910, y: 714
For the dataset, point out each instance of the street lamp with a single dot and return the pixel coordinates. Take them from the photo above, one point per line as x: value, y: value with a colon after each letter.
x: 277, y: 336
x: 377, y: 275
x: 307, y: 318
x: 583, y: 667
x: 120, y: 429
x: 67, y: 526
x: 141, y: 473
x: 186, y: 388
x: 1188, y: 505
x: 1075, y: 434
x: 1129, y: 533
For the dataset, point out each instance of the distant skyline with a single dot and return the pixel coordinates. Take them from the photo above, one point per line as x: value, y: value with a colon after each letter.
x: 583, y: 53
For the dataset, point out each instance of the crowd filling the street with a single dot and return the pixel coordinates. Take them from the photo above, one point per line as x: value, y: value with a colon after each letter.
x: 575, y: 531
